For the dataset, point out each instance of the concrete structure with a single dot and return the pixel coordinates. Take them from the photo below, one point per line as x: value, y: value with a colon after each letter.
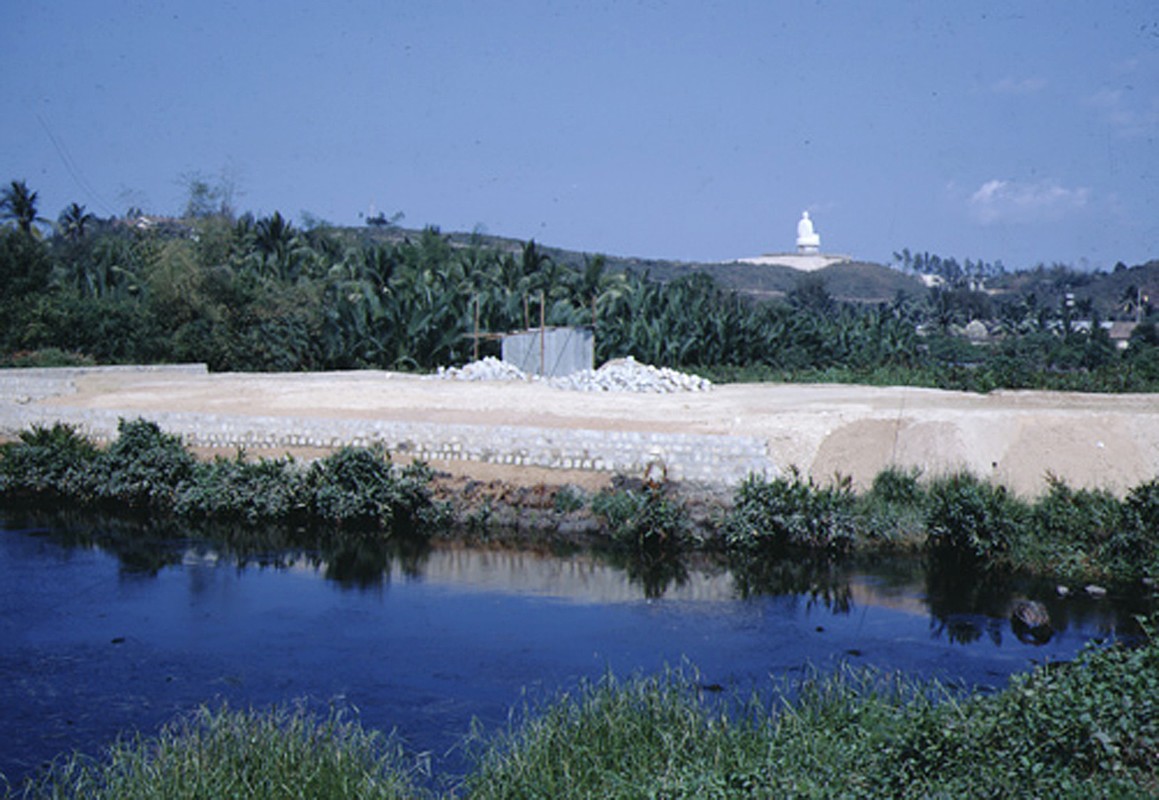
x: 550, y: 352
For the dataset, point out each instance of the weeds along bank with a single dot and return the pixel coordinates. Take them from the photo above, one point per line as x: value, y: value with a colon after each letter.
x: 957, y: 519
x: 1087, y: 729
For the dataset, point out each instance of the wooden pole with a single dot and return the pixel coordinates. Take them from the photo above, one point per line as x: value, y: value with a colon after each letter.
x: 476, y: 358
x: 542, y: 334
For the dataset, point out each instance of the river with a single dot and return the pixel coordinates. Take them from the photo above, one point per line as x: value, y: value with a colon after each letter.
x: 103, y: 634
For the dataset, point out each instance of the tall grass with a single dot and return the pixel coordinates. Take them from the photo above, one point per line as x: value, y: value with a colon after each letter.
x: 222, y: 753
x: 1087, y: 729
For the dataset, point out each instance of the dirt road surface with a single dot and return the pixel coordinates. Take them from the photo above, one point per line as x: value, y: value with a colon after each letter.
x: 1014, y: 438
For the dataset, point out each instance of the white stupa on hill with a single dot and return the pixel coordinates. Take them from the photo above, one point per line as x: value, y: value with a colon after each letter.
x: 808, y: 256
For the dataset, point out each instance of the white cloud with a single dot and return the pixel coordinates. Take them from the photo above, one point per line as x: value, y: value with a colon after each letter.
x: 1018, y: 86
x: 1011, y: 201
x: 1126, y: 112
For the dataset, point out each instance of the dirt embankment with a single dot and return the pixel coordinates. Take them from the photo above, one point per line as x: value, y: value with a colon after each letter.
x: 1015, y: 438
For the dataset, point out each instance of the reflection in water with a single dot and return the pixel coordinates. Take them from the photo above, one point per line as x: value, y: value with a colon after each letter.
x: 96, y: 645
x: 968, y: 603
x: 365, y: 562
x: 964, y: 604
x: 820, y: 580
x: 655, y: 572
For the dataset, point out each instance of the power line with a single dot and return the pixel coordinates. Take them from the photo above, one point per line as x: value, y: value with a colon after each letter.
x: 73, y: 170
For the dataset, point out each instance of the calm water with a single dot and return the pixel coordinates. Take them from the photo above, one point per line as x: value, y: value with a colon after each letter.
x: 99, y: 638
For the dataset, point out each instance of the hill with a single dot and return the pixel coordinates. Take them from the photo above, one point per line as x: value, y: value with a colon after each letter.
x: 1107, y: 294
x: 1103, y: 293
x: 852, y: 281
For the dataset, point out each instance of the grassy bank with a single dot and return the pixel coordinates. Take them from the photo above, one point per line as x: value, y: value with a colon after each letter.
x: 1085, y: 729
x: 222, y: 753
x: 1074, y: 535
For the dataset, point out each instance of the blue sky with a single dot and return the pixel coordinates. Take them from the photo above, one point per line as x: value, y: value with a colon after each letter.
x: 1020, y: 131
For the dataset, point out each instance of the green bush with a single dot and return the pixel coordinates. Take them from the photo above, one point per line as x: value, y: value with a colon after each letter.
x: 50, y: 462
x: 143, y: 467
x: 643, y: 520
x: 893, y: 510
x: 898, y: 486
x: 1067, y: 531
x: 1134, y: 549
x: 568, y: 499
x: 149, y: 470
x: 236, y: 489
x: 1085, y: 729
x: 969, y: 519
x: 1083, y: 517
x: 48, y: 357
x: 791, y: 512
x: 360, y: 488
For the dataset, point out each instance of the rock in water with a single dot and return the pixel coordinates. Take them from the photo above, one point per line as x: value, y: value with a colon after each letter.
x: 1031, y: 622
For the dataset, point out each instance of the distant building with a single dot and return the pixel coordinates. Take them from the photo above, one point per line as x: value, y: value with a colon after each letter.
x: 1120, y: 333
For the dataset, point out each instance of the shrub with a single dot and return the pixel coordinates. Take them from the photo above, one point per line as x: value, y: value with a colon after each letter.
x: 47, y: 461
x: 643, y: 519
x: 792, y: 512
x: 1085, y: 729
x: 1067, y: 530
x: 967, y: 518
x: 48, y: 357
x: 1134, y: 548
x: 893, y: 510
x: 143, y: 467
x: 361, y: 488
x: 236, y: 489
x: 568, y: 499
x: 1085, y: 516
x: 898, y: 486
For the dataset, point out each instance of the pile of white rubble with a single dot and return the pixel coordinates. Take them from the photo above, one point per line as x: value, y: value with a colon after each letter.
x: 620, y: 375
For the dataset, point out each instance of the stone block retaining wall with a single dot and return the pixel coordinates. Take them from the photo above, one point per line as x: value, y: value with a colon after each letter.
x: 33, y: 383
x: 709, y: 459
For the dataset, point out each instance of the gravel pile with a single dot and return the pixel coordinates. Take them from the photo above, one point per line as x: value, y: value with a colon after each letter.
x: 629, y: 375
x: 487, y: 369
x: 620, y: 375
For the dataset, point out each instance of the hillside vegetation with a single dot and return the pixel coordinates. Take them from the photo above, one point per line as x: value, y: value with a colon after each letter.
x: 247, y: 294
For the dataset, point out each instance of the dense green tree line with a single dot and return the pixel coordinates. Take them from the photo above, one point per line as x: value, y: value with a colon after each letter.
x: 262, y: 294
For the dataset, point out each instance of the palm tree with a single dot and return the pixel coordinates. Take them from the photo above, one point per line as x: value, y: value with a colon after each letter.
x: 594, y: 286
x: 279, y: 250
x: 18, y: 204
x: 73, y: 221
x: 1131, y: 302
